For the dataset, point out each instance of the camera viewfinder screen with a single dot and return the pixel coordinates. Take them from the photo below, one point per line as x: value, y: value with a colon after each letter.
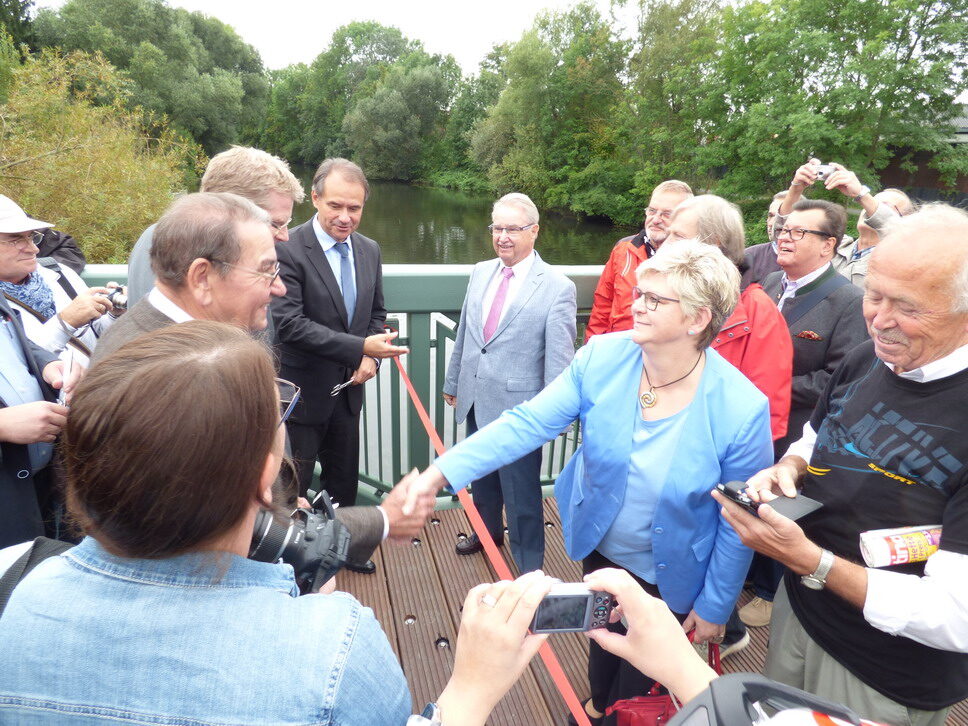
x: 561, y: 613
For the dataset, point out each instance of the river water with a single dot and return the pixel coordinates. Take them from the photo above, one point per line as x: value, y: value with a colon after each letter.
x: 424, y: 225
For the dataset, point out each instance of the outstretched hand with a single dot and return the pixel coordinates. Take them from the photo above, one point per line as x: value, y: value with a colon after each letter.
x: 493, y: 646
x: 655, y: 642
x: 404, y: 526
x: 423, y: 489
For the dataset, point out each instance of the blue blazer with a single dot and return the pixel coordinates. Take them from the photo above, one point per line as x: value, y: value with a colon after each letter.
x: 700, y: 562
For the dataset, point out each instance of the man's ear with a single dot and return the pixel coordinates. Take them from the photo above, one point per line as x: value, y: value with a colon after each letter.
x: 199, y: 280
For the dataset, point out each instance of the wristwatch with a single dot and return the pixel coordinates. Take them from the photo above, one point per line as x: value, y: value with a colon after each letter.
x: 817, y: 579
x: 864, y: 191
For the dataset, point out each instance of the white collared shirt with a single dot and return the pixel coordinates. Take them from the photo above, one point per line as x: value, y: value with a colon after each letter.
x: 521, y: 271
x: 932, y: 609
x: 164, y: 305
x: 790, y: 287
x: 332, y: 255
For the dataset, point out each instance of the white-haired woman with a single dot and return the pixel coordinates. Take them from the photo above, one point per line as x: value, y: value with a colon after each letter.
x: 664, y: 419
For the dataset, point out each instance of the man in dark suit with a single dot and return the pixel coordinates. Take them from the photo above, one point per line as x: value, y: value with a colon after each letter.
x: 214, y: 258
x: 329, y: 327
x: 822, y: 309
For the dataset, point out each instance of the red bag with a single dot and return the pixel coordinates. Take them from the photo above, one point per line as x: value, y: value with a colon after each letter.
x: 655, y: 708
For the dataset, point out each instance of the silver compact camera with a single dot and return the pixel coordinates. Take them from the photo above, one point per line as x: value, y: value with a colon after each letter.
x: 572, y: 607
x: 824, y: 170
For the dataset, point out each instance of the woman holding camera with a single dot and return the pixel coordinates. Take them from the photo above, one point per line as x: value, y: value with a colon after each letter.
x: 56, y: 307
x: 664, y: 419
x: 171, y: 448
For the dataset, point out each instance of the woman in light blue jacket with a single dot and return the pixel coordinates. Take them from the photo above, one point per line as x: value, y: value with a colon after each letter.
x: 664, y: 419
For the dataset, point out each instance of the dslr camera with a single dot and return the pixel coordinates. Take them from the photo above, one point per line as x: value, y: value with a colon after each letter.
x: 313, y: 541
x: 572, y: 607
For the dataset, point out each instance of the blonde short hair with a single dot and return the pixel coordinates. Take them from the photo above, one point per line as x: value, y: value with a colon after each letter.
x: 251, y: 173
x: 673, y: 185
x: 702, y: 277
x: 522, y: 202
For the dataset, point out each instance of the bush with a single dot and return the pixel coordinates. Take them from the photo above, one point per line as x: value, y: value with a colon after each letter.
x: 72, y: 153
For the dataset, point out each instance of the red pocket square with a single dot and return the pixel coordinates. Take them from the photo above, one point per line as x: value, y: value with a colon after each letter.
x: 809, y: 335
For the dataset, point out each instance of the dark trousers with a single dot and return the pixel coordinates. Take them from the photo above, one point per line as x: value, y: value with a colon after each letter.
x: 336, y: 445
x: 609, y: 677
x: 516, y: 488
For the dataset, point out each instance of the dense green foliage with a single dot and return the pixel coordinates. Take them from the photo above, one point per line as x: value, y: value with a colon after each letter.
x: 190, y: 67
x: 73, y: 153
x: 15, y: 20
x: 728, y: 96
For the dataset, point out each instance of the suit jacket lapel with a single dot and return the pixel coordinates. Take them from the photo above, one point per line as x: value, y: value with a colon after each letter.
x: 527, y: 290
x: 317, y: 257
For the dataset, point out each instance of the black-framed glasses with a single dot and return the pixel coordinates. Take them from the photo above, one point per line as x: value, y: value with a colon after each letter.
x: 271, y: 277
x: 797, y: 233
x: 288, y: 397
x: 24, y: 238
x: 511, y: 231
x: 651, y: 299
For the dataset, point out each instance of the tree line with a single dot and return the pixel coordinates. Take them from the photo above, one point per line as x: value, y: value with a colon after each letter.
x: 730, y: 97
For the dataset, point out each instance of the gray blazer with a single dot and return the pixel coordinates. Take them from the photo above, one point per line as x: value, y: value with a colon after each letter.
x: 821, y: 338
x: 534, y: 342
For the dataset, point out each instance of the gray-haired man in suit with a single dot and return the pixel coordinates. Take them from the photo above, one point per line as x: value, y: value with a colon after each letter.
x: 516, y: 334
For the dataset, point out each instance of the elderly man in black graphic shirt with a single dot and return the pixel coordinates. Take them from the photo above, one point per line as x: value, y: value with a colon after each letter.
x: 885, y: 448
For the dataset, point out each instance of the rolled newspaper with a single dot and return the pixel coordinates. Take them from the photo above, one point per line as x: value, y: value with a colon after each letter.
x: 886, y: 547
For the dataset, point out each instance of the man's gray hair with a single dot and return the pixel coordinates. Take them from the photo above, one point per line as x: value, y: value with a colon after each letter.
x: 345, y: 168
x: 701, y: 277
x: 522, y: 202
x: 200, y: 226
x: 944, y: 219
x: 251, y: 173
x: 719, y: 223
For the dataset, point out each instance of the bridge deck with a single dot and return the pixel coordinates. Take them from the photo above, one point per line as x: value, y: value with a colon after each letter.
x: 417, y: 593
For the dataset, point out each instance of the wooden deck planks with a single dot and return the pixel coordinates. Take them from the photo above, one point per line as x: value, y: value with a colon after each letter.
x: 430, y: 581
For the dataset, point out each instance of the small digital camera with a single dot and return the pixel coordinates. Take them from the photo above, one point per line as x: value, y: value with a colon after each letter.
x: 824, y: 170
x: 572, y: 607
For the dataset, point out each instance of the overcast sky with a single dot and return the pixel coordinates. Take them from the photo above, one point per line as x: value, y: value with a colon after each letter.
x: 296, y: 31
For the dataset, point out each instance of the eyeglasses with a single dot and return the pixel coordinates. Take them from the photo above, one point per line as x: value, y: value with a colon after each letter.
x: 24, y: 239
x: 271, y: 277
x: 796, y: 233
x: 288, y: 396
x: 651, y: 299
x: 665, y: 214
x: 279, y: 226
x: 512, y: 231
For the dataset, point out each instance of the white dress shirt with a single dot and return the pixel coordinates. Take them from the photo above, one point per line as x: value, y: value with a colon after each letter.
x: 933, y: 609
x: 790, y: 287
x: 333, y: 256
x: 521, y: 270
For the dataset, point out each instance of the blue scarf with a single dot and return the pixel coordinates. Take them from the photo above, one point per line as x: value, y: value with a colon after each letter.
x: 33, y: 292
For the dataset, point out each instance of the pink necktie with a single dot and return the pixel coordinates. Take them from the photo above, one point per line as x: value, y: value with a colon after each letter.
x: 494, y: 316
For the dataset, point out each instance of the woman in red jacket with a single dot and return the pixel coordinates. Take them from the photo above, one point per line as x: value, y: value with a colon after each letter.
x: 755, y: 338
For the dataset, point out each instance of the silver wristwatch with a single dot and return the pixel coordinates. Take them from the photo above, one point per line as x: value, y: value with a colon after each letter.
x: 817, y: 579
x: 864, y: 191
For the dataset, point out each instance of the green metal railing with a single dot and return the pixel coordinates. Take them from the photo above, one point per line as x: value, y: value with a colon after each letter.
x: 424, y: 303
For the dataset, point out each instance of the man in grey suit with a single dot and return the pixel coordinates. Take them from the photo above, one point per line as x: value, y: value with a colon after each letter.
x: 213, y: 258
x: 822, y: 309
x: 516, y: 334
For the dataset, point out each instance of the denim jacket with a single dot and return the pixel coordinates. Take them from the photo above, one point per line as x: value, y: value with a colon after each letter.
x: 90, y: 638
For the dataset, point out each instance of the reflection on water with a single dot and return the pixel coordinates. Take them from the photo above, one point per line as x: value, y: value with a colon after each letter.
x: 423, y: 225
